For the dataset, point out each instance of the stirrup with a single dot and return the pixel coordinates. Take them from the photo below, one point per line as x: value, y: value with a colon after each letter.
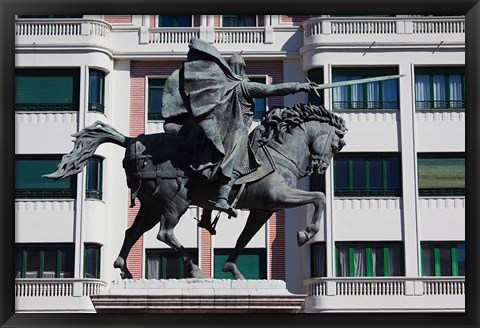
x: 207, y: 225
x: 227, y: 209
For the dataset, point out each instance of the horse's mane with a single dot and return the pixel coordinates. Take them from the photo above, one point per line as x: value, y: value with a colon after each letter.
x: 281, y: 120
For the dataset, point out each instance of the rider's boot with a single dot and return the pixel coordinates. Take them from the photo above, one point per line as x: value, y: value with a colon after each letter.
x: 222, y: 199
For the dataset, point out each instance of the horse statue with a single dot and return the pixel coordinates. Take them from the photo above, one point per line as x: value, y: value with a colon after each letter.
x: 159, y: 175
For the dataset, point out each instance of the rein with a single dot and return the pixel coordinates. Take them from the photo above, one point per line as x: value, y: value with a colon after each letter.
x: 299, y: 172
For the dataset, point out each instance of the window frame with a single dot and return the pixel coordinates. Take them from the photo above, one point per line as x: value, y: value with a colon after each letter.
x: 437, y: 246
x: 35, y: 72
x: 363, y: 72
x: 61, y: 250
x: 97, y: 192
x: 154, y: 116
x: 98, y: 255
x: 45, y: 193
x: 446, y: 71
x: 322, y: 250
x: 225, y: 252
x: 193, y: 253
x: 100, y: 105
x: 157, y: 22
x: 367, y: 191
x: 439, y: 192
x: 258, y: 114
x: 368, y: 249
x: 316, y: 75
x: 238, y: 17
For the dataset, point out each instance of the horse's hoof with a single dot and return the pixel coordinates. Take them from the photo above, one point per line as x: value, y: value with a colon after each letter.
x: 198, y: 274
x: 239, y: 277
x: 302, y: 237
x: 126, y: 275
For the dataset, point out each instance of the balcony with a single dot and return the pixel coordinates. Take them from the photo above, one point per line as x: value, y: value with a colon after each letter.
x: 62, y: 32
x: 56, y: 295
x: 385, y: 294
x: 384, y: 31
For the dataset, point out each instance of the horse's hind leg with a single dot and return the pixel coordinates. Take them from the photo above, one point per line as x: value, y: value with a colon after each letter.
x: 144, y: 221
x: 255, y: 221
x: 171, y: 216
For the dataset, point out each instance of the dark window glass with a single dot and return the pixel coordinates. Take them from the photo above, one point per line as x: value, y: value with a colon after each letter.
x: 378, y: 259
x: 372, y: 95
x: 94, y: 178
x: 174, y: 20
x: 92, y: 261
x: 167, y: 264
x: 445, y: 262
x: 318, y: 260
x: 155, y: 96
x: 316, y: 75
x: 440, y: 88
x: 461, y: 259
x: 260, y: 103
x: 428, y: 260
x: 367, y: 176
x: 49, y: 263
x: 43, y: 260
x: 18, y: 262
x: 239, y: 20
x: 96, y: 94
x: 317, y: 182
x: 67, y: 262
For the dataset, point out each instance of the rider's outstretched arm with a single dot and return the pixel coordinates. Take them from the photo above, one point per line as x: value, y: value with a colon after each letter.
x: 260, y: 90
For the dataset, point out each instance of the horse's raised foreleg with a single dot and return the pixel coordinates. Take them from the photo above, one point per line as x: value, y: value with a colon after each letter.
x: 167, y: 224
x: 255, y: 221
x: 144, y: 221
x: 288, y: 198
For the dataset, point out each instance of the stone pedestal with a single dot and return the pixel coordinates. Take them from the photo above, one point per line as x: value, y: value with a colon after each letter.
x: 198, y: 296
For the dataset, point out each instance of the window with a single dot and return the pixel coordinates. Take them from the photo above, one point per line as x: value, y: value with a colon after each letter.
x: 95, y: 178
x: 367, y: 176
x: 318, y: 261
x: 260, y: 103
x: 239, y: 20
x: 374, y: 259
x: 441, y: 175
x: 44, y: 260
x: 155, y: 96
x: 317, y: 182
x: 252, y: 263
x: 167, y: 264
x: 47, y: 89
x: 373, y: 95
x: 440, y: 88
x: 174, y: 21
x: 96, y: 93
x: 91, y: 261
x: 29, y: 183
x: 316, y: 75
x: 443, y: 259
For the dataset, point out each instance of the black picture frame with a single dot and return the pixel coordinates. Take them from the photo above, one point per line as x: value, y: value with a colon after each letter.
x: 9, y: 8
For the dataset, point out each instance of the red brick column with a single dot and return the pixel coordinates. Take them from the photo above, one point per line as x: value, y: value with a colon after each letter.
x: 116, y: 19
x: 206, y: 253
x: 276, y: 246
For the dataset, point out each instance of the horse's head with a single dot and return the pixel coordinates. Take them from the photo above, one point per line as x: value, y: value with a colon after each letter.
x: 328, y: 142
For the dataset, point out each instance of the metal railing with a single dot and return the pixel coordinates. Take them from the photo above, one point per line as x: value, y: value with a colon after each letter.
x: 94, y: 194
x: 96, y: 107
x: 441, y: 192
x: 367, y: 192
x: 47, y: 107
x: 46, y: 194
x: 440, y: 104
x: 365, y: 105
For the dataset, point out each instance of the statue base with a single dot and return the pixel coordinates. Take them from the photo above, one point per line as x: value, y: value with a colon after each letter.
x: 198, y: 296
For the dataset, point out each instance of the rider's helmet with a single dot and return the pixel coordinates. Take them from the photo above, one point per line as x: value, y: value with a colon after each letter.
x: 237, y: 64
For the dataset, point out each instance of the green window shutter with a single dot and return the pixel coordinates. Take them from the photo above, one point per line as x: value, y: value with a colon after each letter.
x: 454, y: 261
x: 441, y: 175
x: 29, y: 182
x: 47, y: 89
x: 351, y: 259
x: 251, y: 263
x: 436, y: 254
x: 386, y: 261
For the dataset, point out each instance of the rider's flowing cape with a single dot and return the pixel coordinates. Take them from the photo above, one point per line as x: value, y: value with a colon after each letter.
x: 207, y: 86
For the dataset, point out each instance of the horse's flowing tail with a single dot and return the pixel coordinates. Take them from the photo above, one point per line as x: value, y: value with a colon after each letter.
x: 86, y: 142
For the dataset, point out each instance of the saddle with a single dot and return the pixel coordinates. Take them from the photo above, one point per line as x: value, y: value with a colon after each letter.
x: 167, y: 156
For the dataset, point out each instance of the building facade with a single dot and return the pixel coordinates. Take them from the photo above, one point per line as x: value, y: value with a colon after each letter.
x: 393, y: 232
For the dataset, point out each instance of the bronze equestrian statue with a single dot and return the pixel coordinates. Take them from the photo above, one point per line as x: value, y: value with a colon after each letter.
x: 205, y: 154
